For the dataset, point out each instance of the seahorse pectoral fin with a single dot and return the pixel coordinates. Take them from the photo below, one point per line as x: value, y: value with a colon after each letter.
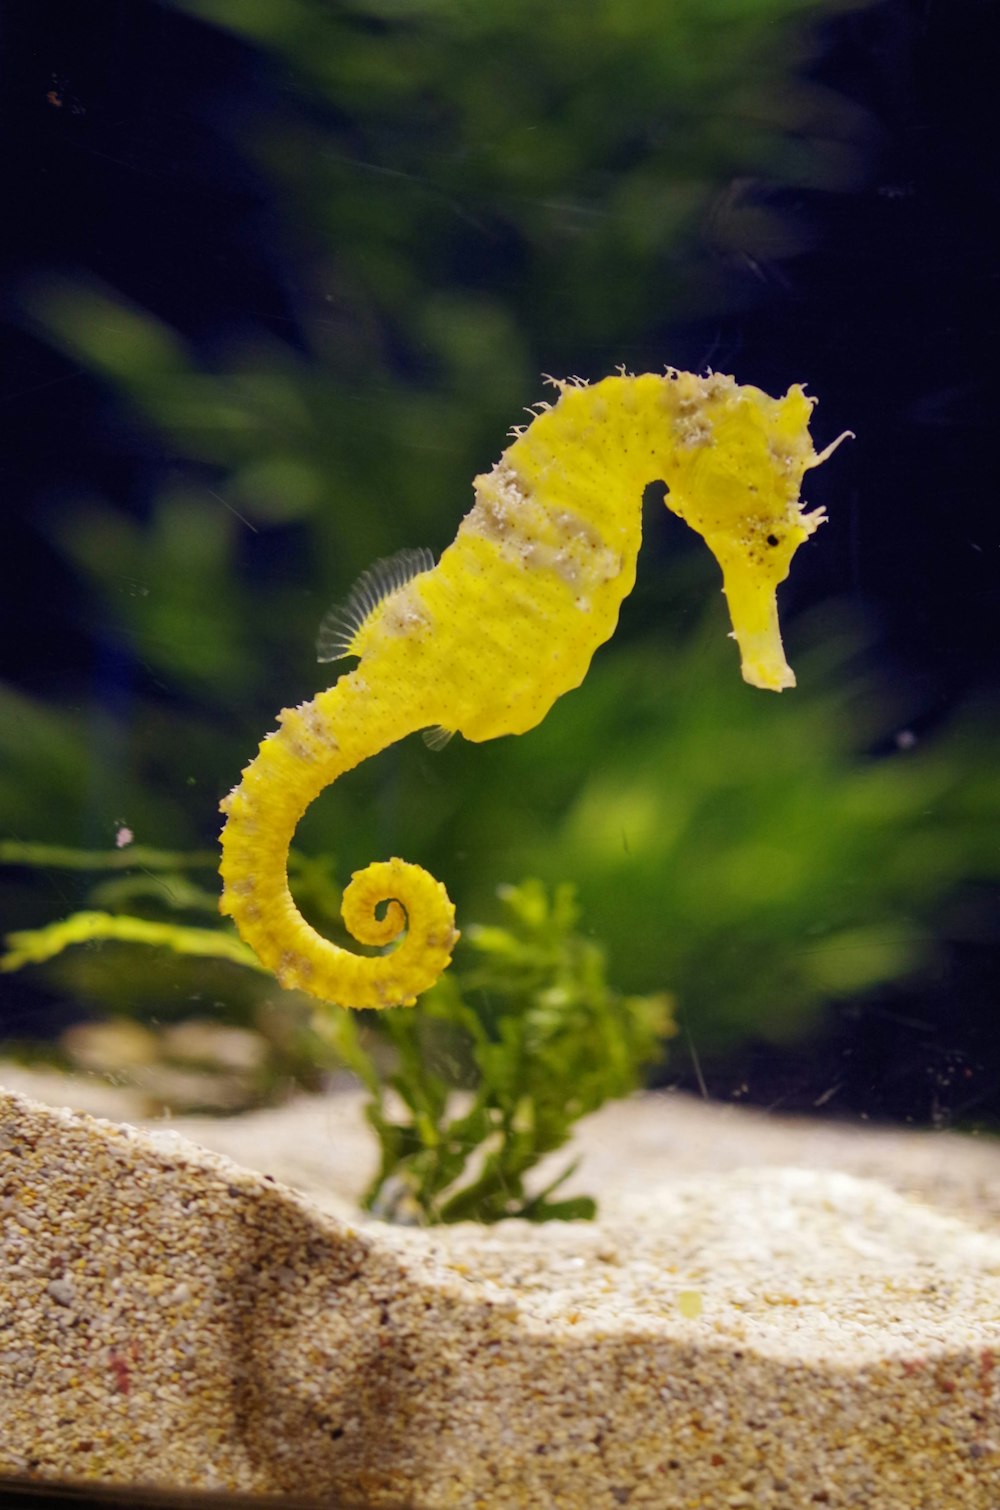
x: 436, y: 737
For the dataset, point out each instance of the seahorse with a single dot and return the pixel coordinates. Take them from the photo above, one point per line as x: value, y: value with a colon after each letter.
x: 486, y: 640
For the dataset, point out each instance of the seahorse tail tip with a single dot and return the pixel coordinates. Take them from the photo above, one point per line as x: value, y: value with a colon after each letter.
x: 387, y: 901
x: 414, y: 900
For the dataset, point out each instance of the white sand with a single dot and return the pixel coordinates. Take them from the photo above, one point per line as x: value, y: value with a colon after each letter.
x: 766, y: 1314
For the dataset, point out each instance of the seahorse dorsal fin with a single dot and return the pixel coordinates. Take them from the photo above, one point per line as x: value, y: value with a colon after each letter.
x: 340, y: 627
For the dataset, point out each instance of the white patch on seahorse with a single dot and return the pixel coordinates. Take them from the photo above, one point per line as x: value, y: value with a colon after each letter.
x: 528, y: 534
x: 404, y: 613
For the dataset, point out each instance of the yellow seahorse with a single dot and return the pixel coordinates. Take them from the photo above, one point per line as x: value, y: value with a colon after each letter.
x: 484, y: 642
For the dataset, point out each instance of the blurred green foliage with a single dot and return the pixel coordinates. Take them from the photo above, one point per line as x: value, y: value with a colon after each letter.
x: 470, y: 194
x: 750, y: 853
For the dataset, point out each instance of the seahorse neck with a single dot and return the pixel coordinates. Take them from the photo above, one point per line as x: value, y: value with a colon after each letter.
x: 595, y: 450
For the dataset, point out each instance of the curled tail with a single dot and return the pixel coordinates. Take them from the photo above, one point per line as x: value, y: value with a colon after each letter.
x: 314, y: 744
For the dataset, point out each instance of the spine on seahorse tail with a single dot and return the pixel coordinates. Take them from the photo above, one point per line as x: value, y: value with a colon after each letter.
x: 313, y: 745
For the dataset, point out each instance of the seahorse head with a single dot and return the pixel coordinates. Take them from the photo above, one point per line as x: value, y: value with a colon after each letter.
x: 740, y: 460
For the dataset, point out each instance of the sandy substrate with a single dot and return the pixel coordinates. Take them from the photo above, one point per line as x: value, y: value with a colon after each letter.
x: 766, y: 1314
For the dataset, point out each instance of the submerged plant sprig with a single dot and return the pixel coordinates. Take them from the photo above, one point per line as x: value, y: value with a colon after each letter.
x: 130, y: 857
x: 548, y: 1042
x: 483, y: 1080
x: 34, y: 946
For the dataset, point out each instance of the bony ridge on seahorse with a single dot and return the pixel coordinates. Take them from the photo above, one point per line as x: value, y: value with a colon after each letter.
x: 484, y: 642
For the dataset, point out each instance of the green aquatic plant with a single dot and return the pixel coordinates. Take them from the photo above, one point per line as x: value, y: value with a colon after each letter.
x: 469, y: 1092
x: 33, y: 946
x: 548, y: 1041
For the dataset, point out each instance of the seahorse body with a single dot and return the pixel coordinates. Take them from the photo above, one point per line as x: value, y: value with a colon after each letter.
x: 484, y: 642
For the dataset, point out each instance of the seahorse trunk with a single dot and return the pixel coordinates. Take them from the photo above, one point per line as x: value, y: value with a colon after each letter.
x: 314, y: 744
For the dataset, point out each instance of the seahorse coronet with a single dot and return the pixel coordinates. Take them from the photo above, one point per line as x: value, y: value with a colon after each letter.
x: 485, y: 641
